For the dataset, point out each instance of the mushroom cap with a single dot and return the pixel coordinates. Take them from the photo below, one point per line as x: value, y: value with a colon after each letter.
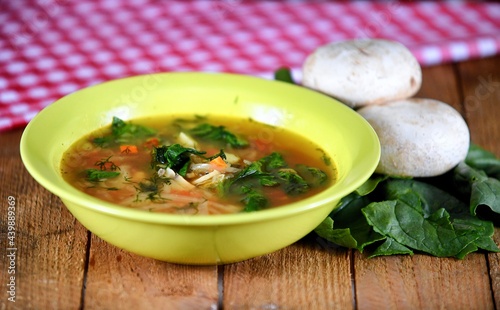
x: 419, y: 137
x: 363, y: 72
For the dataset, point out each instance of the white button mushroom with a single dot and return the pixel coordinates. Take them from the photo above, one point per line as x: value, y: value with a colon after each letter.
x: 363, y: 72
x: 419, y: 137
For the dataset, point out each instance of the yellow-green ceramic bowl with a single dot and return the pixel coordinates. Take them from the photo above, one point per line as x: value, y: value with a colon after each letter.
x: 345, y: 136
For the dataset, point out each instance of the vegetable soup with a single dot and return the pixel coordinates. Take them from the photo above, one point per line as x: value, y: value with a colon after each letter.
x: 196, y: 165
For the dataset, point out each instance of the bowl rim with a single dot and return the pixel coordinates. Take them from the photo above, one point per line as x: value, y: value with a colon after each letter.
x: 87, y: 201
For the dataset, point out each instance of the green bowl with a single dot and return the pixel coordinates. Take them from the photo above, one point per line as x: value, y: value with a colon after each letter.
x: 343, y: 134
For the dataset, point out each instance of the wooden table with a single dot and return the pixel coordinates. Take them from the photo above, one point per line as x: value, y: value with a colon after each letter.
x: 60, y: 265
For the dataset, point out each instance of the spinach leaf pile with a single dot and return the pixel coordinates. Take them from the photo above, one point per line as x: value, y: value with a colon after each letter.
x: 445, y: 216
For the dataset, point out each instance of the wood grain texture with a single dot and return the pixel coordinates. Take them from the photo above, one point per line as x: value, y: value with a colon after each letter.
x: 307, y: 275
x: 494, y: 271
x: 50, y: 256
x: 480, y: 82
x: 120, y: 280
x: 441, y: 83
x: 422, y: 282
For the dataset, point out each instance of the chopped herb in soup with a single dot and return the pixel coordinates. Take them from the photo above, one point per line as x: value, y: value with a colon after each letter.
x: 196, y: 165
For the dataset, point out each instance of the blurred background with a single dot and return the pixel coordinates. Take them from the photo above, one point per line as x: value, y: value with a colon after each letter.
x: 50, y: 48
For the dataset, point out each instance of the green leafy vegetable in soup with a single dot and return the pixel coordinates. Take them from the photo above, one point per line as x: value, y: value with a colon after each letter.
x: 197, y: 165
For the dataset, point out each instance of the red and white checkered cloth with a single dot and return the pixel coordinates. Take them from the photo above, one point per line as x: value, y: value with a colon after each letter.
x: 49, y: 48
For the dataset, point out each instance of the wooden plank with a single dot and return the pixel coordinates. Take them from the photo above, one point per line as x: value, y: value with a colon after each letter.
x: 440, y: 83
x: 50, y: 256
x: 305, y: 275
x: 494, y: 271
x: 480, y: 81
x: 120, y: 280
x: 481, y: 87
x: 423, y: 281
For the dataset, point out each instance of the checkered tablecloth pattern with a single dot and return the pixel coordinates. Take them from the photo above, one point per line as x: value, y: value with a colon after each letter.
x: 49, y: 48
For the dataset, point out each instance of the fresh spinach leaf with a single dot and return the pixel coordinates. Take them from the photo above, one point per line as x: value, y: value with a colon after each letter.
x: 481, y: 189
x: 351, y: 228
x: 339, y: 236
x: 391, y: 247
x: 479, y: 158
x: 284, y: 74
x: 407, y: 225
x: 370, y: 185
x: 425, y: 218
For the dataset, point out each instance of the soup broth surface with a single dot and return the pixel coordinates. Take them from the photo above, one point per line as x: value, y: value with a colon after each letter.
x: 196, y: 165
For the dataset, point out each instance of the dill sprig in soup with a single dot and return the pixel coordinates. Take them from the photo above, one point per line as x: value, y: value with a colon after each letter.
x: 196, y: 165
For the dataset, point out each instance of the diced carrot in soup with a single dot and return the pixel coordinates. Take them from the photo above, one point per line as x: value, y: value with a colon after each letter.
x: 129, y: 149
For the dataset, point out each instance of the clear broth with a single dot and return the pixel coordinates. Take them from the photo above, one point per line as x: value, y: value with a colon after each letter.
x: 137, y: 185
